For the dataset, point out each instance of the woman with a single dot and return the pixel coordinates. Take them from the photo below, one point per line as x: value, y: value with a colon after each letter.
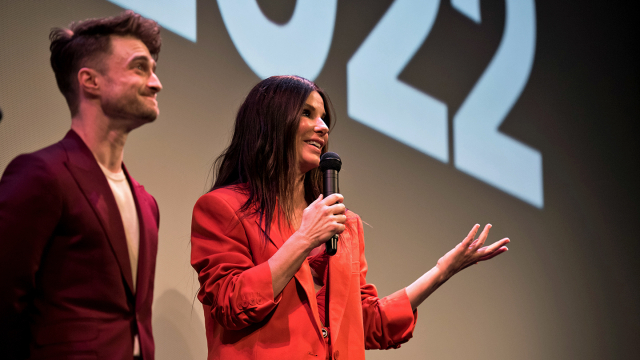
x: 258, y: 243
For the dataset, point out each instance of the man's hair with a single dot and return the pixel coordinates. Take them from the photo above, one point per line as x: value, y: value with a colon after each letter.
x: 84, y: 43
x: 263, y: 152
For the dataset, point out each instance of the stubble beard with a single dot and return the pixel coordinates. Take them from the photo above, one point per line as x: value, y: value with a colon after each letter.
x: 131, y: 108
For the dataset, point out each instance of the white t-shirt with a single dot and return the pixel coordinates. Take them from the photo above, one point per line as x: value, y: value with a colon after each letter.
x: 127, y: 206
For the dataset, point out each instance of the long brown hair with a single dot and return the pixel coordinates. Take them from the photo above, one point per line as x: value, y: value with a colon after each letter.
x: 263, y: 152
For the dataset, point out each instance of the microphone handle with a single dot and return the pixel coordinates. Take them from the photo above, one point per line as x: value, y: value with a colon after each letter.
x: 330, y: 183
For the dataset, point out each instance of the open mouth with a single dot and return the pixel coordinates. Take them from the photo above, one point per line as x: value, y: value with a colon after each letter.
x: 314, y: 143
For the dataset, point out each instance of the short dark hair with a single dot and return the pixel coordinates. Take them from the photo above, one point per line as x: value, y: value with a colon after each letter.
x: 263, y: 152
x: 84, y: 42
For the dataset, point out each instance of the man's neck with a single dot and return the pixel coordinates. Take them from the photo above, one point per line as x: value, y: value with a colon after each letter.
x: 106, y: 142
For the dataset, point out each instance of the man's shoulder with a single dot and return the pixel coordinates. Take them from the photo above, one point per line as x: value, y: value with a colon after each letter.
x: 51, y: 153
x: 54, y: 154
x: 47, y: 168
x: 44, y: 160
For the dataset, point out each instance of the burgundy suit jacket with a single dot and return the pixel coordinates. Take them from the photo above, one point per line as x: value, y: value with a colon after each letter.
x: 244, y: 320
x: 65, y: 276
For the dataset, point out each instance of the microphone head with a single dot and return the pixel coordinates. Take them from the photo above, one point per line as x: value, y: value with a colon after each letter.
x: 330, y: 161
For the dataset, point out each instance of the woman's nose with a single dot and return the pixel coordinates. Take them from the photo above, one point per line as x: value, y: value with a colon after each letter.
x: 321, y: 127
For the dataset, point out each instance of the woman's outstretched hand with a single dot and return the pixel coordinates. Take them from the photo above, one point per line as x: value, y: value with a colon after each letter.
x: 471, y: 251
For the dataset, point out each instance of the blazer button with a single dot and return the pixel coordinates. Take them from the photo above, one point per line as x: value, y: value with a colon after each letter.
x: 252, y: 302
x: 336, y: 354
x: 324, y: 333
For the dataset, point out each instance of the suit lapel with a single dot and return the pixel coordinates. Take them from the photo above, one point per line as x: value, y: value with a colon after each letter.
x: 303, y: 275
x: 304, y: 278
x: 91, y: 180
x: 339, y: 283
x: 143, y: 244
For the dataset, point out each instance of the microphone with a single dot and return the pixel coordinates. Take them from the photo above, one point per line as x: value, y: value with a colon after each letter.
x: 330, y: 165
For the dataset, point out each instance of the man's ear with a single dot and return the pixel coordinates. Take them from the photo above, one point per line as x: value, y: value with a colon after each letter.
x: 89, y: 81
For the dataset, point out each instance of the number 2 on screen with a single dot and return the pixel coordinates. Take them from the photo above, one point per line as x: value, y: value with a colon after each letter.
x: 378, y: 99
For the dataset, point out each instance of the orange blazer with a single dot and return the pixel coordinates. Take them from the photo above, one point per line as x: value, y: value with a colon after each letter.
x: 243, y: 318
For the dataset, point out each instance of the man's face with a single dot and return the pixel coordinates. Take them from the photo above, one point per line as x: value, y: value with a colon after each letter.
x: 130, y: 84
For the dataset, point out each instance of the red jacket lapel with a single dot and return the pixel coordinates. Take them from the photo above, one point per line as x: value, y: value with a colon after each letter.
x: 339, y: 282
x: 303, y: 275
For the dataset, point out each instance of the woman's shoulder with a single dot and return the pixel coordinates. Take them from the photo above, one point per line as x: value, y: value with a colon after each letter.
x: 233, y: 196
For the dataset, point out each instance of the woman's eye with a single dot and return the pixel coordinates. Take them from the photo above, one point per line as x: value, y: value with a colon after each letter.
x: 306, y: 113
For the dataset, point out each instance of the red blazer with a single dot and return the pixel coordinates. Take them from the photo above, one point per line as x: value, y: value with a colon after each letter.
x: 243, y: 318
x: 65, y: 276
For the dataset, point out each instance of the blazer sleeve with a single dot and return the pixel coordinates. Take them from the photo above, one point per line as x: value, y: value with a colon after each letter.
x: 388, y: 322
x: 30, y: 209
x: 239, y: 291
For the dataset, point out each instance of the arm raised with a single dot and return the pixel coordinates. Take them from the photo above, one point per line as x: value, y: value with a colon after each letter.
x: 469, y: 252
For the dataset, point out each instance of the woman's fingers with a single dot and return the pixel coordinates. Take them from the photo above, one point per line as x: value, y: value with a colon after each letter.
x: 483, y: 236
x: 337, y: 209
x: 333, y: 199
x: 496, y: 245
x: 493, y: 250
x: 323, y: 218
x: 470, y: 251
x: 498, y: 251
x: 472, y: 234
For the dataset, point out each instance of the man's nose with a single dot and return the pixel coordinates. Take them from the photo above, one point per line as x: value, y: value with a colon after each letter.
x: 154, y: 82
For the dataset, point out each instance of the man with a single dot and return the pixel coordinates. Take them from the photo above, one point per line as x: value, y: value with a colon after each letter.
x: 78, y: 235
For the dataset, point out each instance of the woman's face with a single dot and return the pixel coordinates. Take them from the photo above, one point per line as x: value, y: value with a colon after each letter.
x: 313, y: 133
